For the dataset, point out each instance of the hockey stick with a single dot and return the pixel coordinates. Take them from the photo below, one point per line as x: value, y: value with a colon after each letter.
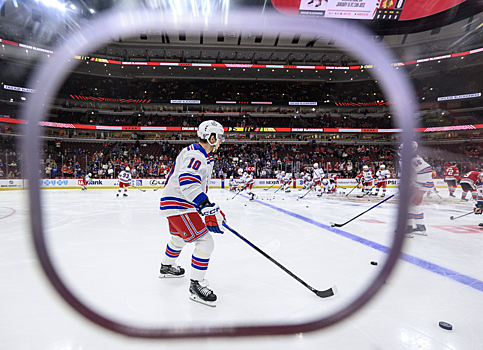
x: 140, y: 189
x: 352, y: 190
x: 355, y: 217
x: 320, y: 293
x: 157, y: 188
x: 236, y: 194
x: 266, y: 189
x: 306, y: 193
x: 454, y: 218
x: 437, y: 193
x: 367, y: 192
x: 278, y: 190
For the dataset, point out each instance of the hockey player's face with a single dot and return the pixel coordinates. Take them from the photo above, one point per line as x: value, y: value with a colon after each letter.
x: 217, y: 145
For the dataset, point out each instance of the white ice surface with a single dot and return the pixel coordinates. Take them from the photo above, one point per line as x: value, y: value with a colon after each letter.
x: 108, y: 251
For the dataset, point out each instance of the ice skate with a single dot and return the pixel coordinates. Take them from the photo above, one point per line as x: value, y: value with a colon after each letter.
x: 463, y: 200
x: 117, y: 195
x: 310, y: 2
x: 200, y: 292
x: 170, y: 271
x: 420, y: 230
x: 383, y: 195
x: 409, y: 232
x: 252, y: 198
x: 452, y: 195
x: 124, y: 195
x: 480, y: 224
x: 287, y: 191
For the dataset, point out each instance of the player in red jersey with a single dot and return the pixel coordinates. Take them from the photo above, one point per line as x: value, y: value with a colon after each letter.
x: 468, y: 183
x: 451, y: 176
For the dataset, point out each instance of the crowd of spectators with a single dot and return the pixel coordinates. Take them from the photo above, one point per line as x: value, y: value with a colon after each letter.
x: 64, y: 158
x: 295, y: 120
x: 106, y: 160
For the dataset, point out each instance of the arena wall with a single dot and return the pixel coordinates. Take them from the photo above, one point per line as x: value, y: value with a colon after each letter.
x: 18, y: 184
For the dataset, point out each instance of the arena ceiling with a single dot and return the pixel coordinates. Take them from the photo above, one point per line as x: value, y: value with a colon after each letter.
x: 284, y: 48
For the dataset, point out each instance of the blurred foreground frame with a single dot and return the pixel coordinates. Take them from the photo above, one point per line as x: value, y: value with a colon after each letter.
x: 50, y: 76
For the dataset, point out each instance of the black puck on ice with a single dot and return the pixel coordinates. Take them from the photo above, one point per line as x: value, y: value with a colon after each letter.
x: 307, y: 206
x: 373, y: 262
x: 245, y: 205
x: 446, y: 325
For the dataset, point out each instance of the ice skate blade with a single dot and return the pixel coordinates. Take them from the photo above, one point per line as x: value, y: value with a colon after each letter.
x: 420, y: 233
x: 168, y: 275
x: 194, y: 297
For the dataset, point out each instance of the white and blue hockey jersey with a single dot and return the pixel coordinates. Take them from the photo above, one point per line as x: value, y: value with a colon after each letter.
x: 187, y: 181
x: 421, y: 174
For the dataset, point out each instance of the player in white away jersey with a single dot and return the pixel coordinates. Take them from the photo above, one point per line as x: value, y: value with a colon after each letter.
x: 381, y: 177
x: 280, y: 175
x: 246, y: 183
x: 233, y: 184
x: 287, y: 181
x: 422, y: 182
x: 184, y: 201
x: 306, y: 180
x: 317, y: 178
x: 87, y: 179
x: 367, y: 181
x: 124, y: 181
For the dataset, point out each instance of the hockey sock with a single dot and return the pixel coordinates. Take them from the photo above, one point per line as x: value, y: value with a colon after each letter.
x: 463, y: 195
x: 171, y: 254
x: 473, y: 194
x: 199, y: 265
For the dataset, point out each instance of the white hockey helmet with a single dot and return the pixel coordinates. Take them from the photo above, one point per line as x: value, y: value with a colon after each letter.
x: 240, y: 171
x: 283, y: 172
x: 127, y: 169
x: 208, y: 128
x: 414, y: 147
x: 316, y: 165
x: 365, y: 168
x: 382, y: 167
x: 90, y: 174
x: 231, y: 177
x: 302, y: 173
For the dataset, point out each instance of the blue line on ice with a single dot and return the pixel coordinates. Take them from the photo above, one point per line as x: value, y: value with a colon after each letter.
x: 456, y: 276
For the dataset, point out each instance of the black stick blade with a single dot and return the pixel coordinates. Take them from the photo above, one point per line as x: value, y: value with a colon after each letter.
x: 451, y: 217
x: 327, y: 293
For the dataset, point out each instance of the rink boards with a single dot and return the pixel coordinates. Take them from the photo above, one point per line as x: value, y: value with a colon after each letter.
x: 16, y: 184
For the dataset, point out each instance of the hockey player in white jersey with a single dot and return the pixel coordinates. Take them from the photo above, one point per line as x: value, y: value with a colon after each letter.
x: 233, y: 184
x: 246, y: 183
x: 367, y: 181
x: 86, y: 181
x: 381, y: 177
x: 184, y: 201
x: 287, y: 181
x: 422, y: 182
x: 124, y: 181
x: 280, y: 178
x: 306, y: 180
x: 317, y: 178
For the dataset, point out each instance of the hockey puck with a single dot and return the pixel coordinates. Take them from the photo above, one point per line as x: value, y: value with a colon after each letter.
x: 245, y: 205
x: 307, y: 206
x: 446, y: 325
x: 373, y: 262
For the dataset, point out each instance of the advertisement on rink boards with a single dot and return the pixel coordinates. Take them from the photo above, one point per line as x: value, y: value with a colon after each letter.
x: 16, y: 184
x: 13, y: 184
